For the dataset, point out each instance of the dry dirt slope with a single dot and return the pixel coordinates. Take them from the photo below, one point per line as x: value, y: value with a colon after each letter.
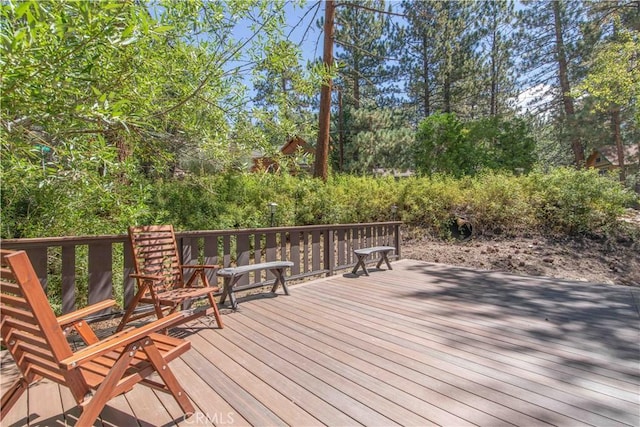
x: 598, y: 260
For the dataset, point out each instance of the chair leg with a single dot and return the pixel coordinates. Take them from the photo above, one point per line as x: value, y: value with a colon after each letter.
x: 167, y: 376
x: 11, y: 396
x: 92, y: 408
x: 216, y: 313
x: 130, y: 308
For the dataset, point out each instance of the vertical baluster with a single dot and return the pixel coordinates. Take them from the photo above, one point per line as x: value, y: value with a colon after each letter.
x: 68, y: 278
x: 100, y: 273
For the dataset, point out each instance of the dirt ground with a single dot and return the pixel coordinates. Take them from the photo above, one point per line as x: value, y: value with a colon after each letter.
x: 591, y: 259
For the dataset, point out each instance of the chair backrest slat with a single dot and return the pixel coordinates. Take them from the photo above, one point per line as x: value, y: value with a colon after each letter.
x: 29, y: 328
x: 6, y: 273
x: 8, y: 288
x: 18, y: 313
x: 39, y: 356
x: 29, y: 338
x: 13, y: 301
x: 156, y: 254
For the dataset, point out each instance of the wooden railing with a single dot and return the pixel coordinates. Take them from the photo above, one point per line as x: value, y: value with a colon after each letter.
x: 68, y: 267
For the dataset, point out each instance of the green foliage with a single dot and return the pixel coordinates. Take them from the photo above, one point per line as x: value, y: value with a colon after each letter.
x: 145, y: 80
x: 46, y: 195
x: 505, y: 143
x: 498, y: 203
x: 375, y: 138
x: 361, y: 46
x: 564, y: 200
x: 429, y: 202
x: 614, y: 77
x: 442, y: 60
x: 571, y: 201
x: 444, y: 144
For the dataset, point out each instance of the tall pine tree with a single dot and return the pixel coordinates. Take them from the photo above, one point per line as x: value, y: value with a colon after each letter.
x: 549, y: 48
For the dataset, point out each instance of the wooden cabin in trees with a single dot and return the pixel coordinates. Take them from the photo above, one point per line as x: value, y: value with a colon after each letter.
x: 606, y: 158
x: 295, y: 146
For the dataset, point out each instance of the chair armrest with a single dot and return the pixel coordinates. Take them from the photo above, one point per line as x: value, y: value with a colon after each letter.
x: 188, y: 266
x: 121, y: 339
x: 65, y: 319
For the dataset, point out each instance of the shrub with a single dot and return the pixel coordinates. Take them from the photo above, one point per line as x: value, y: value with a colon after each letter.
x: 577, y: 201
x: 564, y: 200
x: 498, y: 203
x: 442, y: 146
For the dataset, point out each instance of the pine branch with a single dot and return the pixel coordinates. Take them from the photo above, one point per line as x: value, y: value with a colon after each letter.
x: 370, y: 9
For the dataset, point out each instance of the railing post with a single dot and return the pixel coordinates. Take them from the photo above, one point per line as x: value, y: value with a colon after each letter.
x: 128, y: 285
x: 39, y: 259
x: 329, y: 246
x: 100, y: 273
x: 211, y: 257
x: 397, y: 239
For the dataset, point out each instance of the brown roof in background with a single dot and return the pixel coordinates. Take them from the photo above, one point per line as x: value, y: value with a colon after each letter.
x: 611, y: 154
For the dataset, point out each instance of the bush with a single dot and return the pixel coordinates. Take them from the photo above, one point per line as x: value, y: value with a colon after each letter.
x: 577, y: 201
x: 564, y: 200
x: 442, y: 146
x: 498, y: 203
x: 445, y: 144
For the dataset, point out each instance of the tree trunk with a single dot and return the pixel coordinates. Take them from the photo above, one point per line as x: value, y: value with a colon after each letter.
x: 447, y: 93
x: 356, y: 86
x: 617, y: 139
x: 493, y: 108
x: 356, y: 67
x: 340, y: 130
x: 320, y: 169
x: 567, y: 100
x: 425, y: 71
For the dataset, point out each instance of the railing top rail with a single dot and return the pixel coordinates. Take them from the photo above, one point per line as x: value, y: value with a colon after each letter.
x: 113, y: 238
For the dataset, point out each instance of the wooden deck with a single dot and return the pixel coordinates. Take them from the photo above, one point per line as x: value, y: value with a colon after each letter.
x: 424, y: 344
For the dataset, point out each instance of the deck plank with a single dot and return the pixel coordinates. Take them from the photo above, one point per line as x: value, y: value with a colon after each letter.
x: 518, y: 375
x: 288, y: 410
x: 232, y: 344
x: 469, y: 334
x: 422, y: 344
x: 311, y: 376
x: 147, y: 408
x: 210, y: 407
x: 50, y: 414
x: 343, y: 362
x: 353, y: 385
x: 71, y: 410
x: 452, y: 392
x: 240, y: 399
x: 469, y: 339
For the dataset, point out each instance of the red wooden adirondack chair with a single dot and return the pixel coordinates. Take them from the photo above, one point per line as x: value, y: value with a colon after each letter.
x: 94, y: 374
x: 160, y: 277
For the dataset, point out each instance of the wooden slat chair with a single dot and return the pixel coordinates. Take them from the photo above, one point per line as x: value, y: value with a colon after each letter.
x: 95, y: 373
x: 160, y: 277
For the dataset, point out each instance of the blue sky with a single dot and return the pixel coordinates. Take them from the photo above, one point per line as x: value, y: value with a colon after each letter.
x: 302, y: 29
